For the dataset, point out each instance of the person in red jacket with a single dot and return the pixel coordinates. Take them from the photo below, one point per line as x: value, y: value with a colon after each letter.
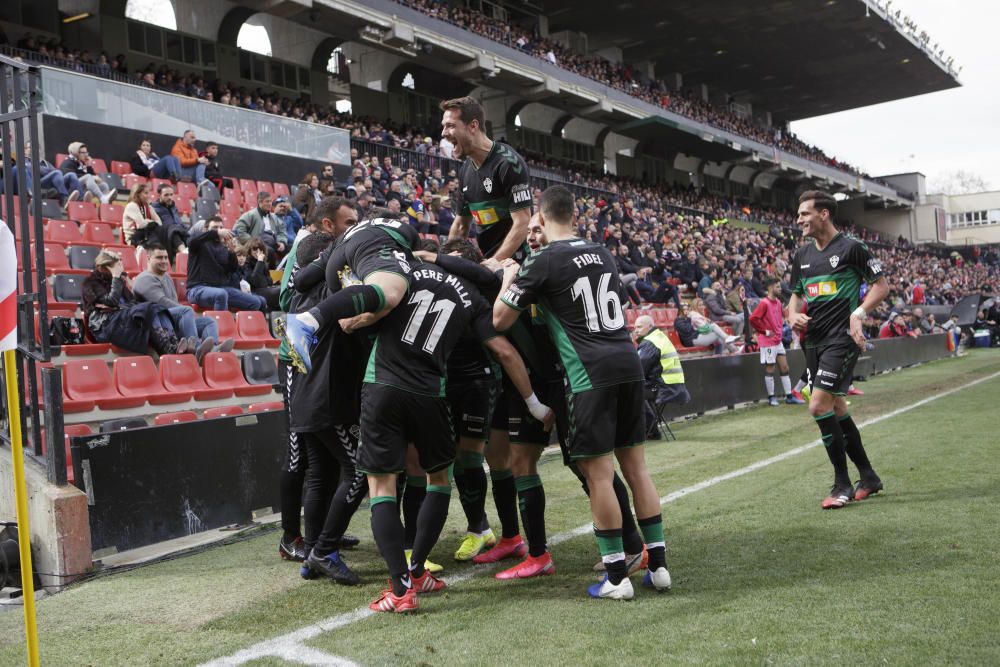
x: 767, y: 320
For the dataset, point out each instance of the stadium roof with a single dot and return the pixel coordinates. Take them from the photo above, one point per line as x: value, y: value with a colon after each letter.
x: 794, y: 58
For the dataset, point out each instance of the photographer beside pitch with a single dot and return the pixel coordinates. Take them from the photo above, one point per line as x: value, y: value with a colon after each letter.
x: 827, y: 275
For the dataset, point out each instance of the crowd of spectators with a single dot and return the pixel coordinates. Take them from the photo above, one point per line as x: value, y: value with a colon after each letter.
x: 617, y: 75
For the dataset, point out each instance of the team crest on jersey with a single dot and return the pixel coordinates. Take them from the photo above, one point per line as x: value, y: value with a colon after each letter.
x: 834, y: 261
x: 488, y: 184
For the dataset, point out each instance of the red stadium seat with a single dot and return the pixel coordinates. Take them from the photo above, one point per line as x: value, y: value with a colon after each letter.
x: 659, y: 316
x: 184, y: 206
x: 100, y: 166
x: 281, y: 190
x: 265, y: 407
x: 180, y: 372
x: 98, y: 233
x: 232, y: 195
x: 180, y: 264
x: 249, y: 200
x: 120, y: 168
x: 63, y: 231
x: 169, y: 418
x: 155, y: 183
x: 248, y: 186
x: 70, y: 405
x: 181, y: 285
x: 82, y: 211
x: 112, y: 214
x: 223, y: 371
x: 229, y: 209
x: 224, y: 320
x: 129, y: 260
x: 631, y: 315
x: 137, y: 376
x: 252, y: 329
x: 60, y: 157
x: 91, y: 381
x: 132, y: 179
x: 226, y: 411
x: 265, y: 186
x: 56, y: 260
x: 187, y: 190
x: 73, y: 431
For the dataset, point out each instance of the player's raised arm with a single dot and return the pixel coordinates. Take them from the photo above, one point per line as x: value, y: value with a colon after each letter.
x: 460, y: 227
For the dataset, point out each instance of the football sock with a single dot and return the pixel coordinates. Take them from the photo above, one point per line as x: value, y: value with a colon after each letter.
x: 388, y: 535
x: 291, y: 503
x: 413, y: 498
x: 800, y: 385
x: 531, y: 500
x: 833, y: 440
x: 631, y: 539
x: 348, y: 302
x: 652, y: 533
x: 769, y: 384
x: 470, y: 478
x: 609, y: 542
x: 852, y: 444
x: 786, y: 384
x: 505, y: 498
x: 430, y: 521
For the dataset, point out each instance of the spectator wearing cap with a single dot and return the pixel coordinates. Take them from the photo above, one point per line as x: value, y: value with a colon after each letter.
x: 289, y: 217
x: 895, y: 327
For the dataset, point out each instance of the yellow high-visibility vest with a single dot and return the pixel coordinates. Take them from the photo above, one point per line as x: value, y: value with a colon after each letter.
x: 670, y: 361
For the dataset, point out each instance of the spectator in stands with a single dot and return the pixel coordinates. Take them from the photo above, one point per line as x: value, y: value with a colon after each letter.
x: 139, y: 220
x: 921, y: 324
x: 689, y: 272
x: 156, y: 286
x: 174, y: 233
x: 80, y: 164
x: 114, y: 316
x: 985, y: 322
x: 67, y: 185
x: 628, y: 273
x: 661, y: 366
x: 212, y: 261
x: 895, y: 327
x: 289, y: 216
x: 326, y: 178
x: 146, y: 163
x: 420, y: 214
x: 192, y: 165
x: 261, y: 223
x: 307, y: 196
x: 252, y: 260
x: 707, y: 333
x: 201, y: 226
x: 395, y: 193
x: 719, y: 310
x: 445, y: 214
x: 394, y: 207
x: 213, y: 170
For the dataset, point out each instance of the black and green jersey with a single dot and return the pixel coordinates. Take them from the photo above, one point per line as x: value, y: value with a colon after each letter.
x: 575, y: 286
x: 830, y: 281
x: 492, y: 191
x: 417, y: 337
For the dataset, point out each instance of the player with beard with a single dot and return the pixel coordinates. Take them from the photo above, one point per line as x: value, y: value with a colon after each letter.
x: 826, y: 274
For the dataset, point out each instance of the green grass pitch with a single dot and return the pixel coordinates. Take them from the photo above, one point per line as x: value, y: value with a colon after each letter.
x: 761, y: 574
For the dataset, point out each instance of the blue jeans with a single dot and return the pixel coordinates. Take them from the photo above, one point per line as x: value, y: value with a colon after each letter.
x: 224, y: 298
x: 55, y: 179
x: 188, y: 324
x: 169, y: 167
x: 197, y: 172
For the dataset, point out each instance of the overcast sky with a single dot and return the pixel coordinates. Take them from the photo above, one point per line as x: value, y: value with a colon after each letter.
x: 935, y: 133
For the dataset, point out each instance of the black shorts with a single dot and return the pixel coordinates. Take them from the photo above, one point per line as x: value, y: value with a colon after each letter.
x: 831, y: 367
x: 391, y: 418
x: 472, y: 407
x: 604, y: 419
x: 512, y: 415
x: 387, y: 258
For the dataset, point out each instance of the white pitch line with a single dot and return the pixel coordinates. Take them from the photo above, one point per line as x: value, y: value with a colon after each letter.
x: 290, y: 646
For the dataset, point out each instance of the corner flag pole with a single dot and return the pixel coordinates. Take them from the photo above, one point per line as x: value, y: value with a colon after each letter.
x: 8, y: 343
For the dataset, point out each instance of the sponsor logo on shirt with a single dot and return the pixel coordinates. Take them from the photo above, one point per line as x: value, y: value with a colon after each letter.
x: 834, y: 261
x: 824, y: 288
x: 488, y: 184
x: 875, y: 266
x: 513, y: 294
x: 486, y: 217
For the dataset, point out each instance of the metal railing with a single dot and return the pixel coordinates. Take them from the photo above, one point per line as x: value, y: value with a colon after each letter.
x: 19, y: 111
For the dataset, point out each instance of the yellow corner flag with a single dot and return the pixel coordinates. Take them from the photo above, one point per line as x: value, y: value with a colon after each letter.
x: 8, y: 343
